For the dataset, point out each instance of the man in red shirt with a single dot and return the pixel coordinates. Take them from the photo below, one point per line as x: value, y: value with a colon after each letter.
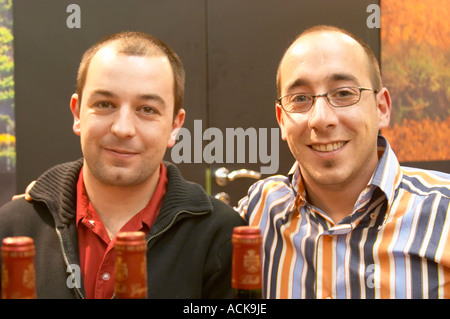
x: 127, y: 110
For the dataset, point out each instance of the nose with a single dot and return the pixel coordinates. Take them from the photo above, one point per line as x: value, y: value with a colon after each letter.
x: 322, y: 114
x: 124, y: 123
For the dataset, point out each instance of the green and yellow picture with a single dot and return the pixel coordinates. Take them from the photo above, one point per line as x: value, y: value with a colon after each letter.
x: 7, y: 123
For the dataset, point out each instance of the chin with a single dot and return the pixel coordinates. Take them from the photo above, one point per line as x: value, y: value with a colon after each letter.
x: 121, y: 177
x: 326, y: 174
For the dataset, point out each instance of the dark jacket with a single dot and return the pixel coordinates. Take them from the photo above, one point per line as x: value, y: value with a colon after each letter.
x: 188, y: 248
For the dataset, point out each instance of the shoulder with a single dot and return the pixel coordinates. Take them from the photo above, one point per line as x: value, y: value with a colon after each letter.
x: 15, y: 209
x: 20, y: 216
x: 274, y: 187
x: 10, y: 207
x: 225, y: 212
x: 53, y: 189
x: 423, y: 193
x: 274, y: 191
x: 426, y: 182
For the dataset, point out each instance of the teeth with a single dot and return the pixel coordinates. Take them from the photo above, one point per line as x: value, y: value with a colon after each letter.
x: 327, y: 147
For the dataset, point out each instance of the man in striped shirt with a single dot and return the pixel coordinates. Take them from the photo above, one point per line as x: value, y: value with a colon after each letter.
x: 347, y: 221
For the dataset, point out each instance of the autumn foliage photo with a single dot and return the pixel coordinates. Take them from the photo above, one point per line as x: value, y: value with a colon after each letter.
x: 415, y: 59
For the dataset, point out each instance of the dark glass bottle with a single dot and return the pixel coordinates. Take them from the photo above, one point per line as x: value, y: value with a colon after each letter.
x: 131, y: 266
x: 247, y: 267
x: 18, y: 271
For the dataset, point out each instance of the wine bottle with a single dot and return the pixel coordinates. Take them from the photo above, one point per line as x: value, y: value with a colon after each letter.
x: 131, y: 266
x: 18, y: 271
x: 246, y: 265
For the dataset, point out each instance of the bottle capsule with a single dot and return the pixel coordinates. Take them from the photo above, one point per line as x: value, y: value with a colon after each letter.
x: 131, y: 266
x: 18, y: 271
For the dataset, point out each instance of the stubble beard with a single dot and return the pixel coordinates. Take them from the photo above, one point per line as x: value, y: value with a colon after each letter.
x: 118, y: 175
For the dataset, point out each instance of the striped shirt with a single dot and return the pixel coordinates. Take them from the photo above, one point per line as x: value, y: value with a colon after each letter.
x: 395, y: 244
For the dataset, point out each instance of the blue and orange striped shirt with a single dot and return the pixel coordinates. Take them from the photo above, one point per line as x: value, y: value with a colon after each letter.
x: 395, y: 244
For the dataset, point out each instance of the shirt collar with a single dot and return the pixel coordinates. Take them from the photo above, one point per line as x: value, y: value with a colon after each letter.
x: 146, y: 216
x: 295, y: 177
x: 388, y: 173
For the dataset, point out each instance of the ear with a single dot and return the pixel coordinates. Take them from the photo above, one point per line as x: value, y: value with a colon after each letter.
x: 384, y: 108
x: 177, y: 124
x: 280, y: 120
x: 75, y: 108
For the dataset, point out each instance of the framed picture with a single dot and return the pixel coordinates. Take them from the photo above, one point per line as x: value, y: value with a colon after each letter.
x: 7, y: 119
x: 415, y: 56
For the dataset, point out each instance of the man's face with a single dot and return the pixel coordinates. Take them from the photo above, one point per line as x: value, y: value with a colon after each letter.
x: 125, y: 119
x: 333, y: 146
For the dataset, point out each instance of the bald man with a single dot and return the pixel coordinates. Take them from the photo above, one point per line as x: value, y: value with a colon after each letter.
x: 347, y: 221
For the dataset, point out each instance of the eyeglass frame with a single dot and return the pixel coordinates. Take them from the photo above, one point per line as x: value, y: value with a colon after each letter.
x: 325, y: 95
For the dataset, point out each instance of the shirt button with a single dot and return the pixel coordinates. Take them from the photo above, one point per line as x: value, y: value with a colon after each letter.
x: 106, y: 276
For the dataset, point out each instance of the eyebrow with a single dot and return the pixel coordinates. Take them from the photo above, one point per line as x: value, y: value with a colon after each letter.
x: 101, y: 93
x: 334, y: 77
x: 109, y: 94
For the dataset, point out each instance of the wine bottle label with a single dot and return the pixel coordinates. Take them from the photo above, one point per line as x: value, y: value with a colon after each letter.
x: 247, y: 271
x: 246, y: 267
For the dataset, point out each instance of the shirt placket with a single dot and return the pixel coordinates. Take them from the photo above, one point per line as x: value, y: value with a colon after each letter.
x: 326, y: 268
x: 105, y: 276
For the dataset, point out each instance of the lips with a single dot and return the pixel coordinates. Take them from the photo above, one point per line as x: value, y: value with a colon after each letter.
x: 330, y: 147
x: 121, y: 151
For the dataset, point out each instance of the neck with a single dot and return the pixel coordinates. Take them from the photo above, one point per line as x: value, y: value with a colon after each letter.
x: 337, y: 201
x: 116, y: 205
x: 336, y: 204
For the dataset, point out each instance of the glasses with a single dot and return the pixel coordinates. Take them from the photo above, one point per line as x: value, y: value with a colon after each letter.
x: 340, y: 97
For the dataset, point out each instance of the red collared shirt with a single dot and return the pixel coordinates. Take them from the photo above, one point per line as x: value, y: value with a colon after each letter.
x: 97, y: 256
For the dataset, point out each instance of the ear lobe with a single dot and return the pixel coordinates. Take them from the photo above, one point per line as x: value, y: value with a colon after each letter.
x: 177, y: 124
x: 75, y: 109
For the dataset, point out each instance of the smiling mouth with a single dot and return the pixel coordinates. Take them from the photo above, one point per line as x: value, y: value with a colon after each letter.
x: 327, y: 147
x: 121, y: 151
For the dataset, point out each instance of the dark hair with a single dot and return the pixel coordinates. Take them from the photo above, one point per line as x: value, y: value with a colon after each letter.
x: 374, y: 67
x: 136, y: 44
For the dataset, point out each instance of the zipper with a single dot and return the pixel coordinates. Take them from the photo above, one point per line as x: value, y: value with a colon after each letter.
x: 173, y: 222
x: 66, y: 259
x: 63, y: 250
